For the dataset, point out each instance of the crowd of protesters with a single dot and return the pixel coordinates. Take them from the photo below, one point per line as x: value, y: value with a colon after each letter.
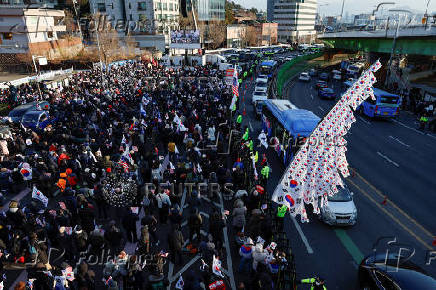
x: 88, y: 174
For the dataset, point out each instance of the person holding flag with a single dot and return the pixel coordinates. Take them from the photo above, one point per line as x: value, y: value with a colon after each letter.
x: 36, y: 194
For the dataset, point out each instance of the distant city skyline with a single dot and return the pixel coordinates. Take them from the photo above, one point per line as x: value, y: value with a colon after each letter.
x: 352, y: 6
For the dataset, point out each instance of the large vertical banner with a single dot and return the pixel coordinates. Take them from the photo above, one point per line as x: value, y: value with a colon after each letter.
x: 315, y: 171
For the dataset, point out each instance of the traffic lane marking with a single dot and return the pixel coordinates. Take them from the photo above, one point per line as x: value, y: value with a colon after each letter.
x: 383, y: 209
x: 408, y: 127
x: 380, y: 194
x: 349, y: 245
x: 387, y: 159
x: 399, y: 141
x: 302, y: 235
x: 319, y: 107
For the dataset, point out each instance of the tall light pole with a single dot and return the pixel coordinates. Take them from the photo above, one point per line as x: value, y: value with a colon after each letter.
x: 376, y: 9
x: 394, y: 41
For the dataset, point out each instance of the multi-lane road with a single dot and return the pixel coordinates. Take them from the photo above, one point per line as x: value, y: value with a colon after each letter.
x: 389, y: 159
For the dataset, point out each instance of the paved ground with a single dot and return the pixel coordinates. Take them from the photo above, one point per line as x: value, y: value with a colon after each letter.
x: 390, y: 158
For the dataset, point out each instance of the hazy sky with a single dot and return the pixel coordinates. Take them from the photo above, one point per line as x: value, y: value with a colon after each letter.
x: 352, y: 6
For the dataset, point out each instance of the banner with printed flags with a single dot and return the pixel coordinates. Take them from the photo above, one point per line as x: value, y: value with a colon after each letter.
x: 37, y: 194
x: 216, y: 267
x: 315, y: 171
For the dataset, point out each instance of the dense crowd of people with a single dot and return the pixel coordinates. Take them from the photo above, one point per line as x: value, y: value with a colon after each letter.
x: 98, y: 180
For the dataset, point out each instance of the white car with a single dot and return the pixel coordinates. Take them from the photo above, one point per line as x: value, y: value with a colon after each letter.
x: 259, y: 96
x: 261, y: 86
x: 340, y: 210
x: 305, y: 77
x: 262, y: 78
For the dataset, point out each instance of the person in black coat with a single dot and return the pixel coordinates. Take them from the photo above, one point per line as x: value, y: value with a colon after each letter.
x: 129, y: 224
x: 175, y: 243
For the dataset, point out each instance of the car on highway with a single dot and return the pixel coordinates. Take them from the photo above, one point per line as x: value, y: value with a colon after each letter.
x: 340, y: 209
x: 257, y: 96
x: 326, y: 93
x: 289, y: 58
x: 321, y: 85
x: 392, y: 271
x: 261, y: 86
x: 324, y: 76
x: 313, y: 72
x: 304, y: 77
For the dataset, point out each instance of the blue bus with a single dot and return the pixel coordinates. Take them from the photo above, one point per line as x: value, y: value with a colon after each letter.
x: 285, y: 124
x: 267, y: 67
x: 386, y: 105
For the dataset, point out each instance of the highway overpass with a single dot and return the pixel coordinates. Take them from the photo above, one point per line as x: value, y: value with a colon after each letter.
x: 416, y: 40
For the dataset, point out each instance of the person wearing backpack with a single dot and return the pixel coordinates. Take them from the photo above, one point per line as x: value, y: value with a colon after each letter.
x: 163, y: 205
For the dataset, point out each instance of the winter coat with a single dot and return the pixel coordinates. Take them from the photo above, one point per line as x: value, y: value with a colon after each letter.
x: 175, y: 240
x: 239, y: 216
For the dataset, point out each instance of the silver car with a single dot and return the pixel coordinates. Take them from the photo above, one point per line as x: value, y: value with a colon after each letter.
x: 340, y: 210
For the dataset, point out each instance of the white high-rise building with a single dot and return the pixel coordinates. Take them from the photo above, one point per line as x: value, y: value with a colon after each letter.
x: 142, y: 16
x: 296, y: 20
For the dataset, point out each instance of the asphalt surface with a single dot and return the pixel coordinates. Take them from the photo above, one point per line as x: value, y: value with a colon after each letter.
x: 389, y: 158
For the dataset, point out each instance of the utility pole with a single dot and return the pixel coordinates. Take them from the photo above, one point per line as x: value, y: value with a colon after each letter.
x: 394, y: 42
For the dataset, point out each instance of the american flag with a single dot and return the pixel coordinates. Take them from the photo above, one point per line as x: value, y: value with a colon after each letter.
x: 235, y: 84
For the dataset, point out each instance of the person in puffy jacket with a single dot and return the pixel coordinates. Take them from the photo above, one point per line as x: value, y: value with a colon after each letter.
x: 259, y: 256
x: 238, y: 214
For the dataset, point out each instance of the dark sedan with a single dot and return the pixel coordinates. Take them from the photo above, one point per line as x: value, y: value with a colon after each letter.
x: 327, y: 93
x: 324, y: 76
x: 320, y: 85
x: 395, y: 272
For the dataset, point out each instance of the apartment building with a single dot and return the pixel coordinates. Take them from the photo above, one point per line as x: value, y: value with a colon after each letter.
x: 296, y: 20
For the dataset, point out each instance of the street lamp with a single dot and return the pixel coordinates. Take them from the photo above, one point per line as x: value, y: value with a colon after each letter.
x: 394, y: 41
x: 376, y: 9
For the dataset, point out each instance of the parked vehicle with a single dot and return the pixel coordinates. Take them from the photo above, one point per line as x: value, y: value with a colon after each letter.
x: 37, y: 120
x: 382, y: 271
x: 304, y: 77
x: 257, y: 96
x: 261, y: 87
x: 262, y: 78
x: 18, y: 112
x: 327, y: 93
x: 340, y: 210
